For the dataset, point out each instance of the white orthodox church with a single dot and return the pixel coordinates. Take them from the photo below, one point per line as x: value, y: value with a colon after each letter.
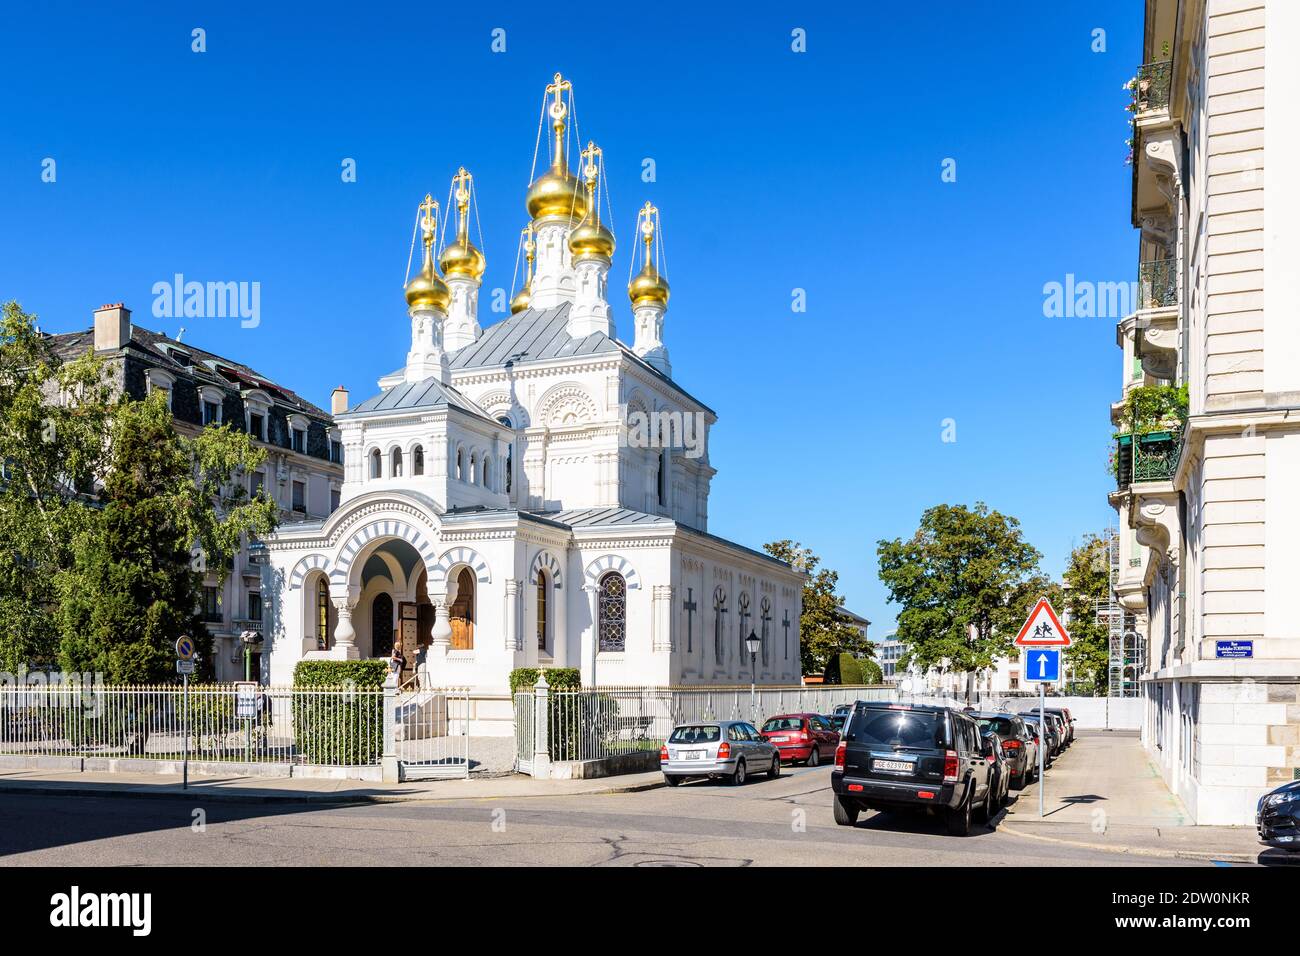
x: 533, y: 493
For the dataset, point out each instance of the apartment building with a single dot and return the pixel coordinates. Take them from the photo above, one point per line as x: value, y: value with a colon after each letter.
x: 303, y: 471
x: 1207, y: 454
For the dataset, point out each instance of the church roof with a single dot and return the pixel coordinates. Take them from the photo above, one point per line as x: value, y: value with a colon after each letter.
x: 601, y: 517
x: 427, y: 393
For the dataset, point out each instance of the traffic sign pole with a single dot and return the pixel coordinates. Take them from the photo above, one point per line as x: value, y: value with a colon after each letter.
x: 185, y: 731
x: 1042, y: 737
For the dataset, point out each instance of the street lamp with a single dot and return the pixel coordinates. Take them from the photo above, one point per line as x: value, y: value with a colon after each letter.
x: 751, y: 643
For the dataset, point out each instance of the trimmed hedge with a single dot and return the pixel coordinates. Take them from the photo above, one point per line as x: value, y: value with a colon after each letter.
x: 558, y: 678
x: 336, y: 729
x: 843, y: 668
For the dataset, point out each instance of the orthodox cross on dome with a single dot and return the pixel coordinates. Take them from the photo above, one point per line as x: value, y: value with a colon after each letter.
x: 591, y: 170
x: 462, y: 181
x: 647, y: 226
x: 690, y: 607
x: 558, y: 112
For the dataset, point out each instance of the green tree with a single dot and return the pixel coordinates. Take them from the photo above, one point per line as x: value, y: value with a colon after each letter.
x: 134, y: 587
x: 53, y: 418
x: 823, y: 632
x: 1087, y: 582
x: 965, y: 581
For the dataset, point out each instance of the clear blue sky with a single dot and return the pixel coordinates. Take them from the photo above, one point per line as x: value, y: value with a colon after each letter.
x: 776, y: 171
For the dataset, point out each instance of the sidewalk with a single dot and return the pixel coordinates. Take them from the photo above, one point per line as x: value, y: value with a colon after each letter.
x: 1104, y: 794
x: 237, y: 789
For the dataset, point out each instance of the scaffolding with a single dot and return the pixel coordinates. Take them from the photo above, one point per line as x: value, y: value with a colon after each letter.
x: 1126, y: 645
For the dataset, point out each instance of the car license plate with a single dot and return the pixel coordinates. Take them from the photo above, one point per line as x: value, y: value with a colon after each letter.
x: 692, y: 754
x: 778, y: 740
x: 898, y: 766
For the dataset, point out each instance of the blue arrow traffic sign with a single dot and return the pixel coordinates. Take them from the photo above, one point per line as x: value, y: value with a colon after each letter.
x: 1044, y: 664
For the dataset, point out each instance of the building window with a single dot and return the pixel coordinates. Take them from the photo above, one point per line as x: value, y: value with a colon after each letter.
x: 212, y: 604
x: 256, y: 482
x: 487, y: 472
x: 299, y: 440
x: 211, y: 413
x: 541, y: 610
x: 322, y: 615
x: 460, y: 464
x: 396, y: 470
x: 510, y: 455
x: 462, y: 612
x: 300, y: 496
x: 254, y: 606
x: 257, y: 426
x: 417, y: 460
x: 336, y: 451
x: 334, y: 500
x: 376, y: 464
x: 612, y: 612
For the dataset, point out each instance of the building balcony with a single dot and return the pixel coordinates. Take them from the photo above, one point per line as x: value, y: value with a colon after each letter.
x: 1152, y: 456
x: 1156, y: 321
x: 1158, y: 285
x: 1151, y: 87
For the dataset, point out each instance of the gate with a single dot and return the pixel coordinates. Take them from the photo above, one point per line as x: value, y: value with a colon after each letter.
x: 525, y: 741
x: 431, y: 733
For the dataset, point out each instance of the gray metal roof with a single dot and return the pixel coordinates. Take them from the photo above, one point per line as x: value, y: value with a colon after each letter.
x: 530, y: 336
x: 427, y: 393
x: 602, y: 517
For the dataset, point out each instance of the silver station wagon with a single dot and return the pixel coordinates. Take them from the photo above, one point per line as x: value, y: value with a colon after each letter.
x: 728, y: 749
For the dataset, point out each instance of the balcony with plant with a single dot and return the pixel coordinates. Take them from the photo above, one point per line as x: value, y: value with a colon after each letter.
x: 1149, y: 439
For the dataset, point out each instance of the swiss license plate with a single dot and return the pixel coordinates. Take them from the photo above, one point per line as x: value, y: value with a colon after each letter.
x: 897, y: 766
x: 778, y: 740
x: 692, y: 754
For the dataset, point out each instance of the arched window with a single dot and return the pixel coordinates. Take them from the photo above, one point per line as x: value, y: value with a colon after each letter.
x: 460, y: 464
x: 510, y: 454
x: 323, y: 614
x: 417, y: 460
x: 381, y: 626
x: 473, y: 468
x: 462, y: 612
x: 611, y: 612
x: 487, y: 472
x: 396, y: 470
x: 376, y: 464
x: 660, y: 478
x: 541, y: 610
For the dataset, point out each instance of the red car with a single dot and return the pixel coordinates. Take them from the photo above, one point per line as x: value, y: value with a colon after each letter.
x: 806, y: 737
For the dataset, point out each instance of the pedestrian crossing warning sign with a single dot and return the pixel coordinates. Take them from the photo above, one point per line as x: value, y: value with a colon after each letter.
x: 1043, y: 628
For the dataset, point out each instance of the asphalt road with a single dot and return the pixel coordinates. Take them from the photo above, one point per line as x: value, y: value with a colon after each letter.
x: 782, y: 822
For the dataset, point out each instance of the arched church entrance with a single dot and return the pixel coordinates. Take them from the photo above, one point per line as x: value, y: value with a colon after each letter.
x: 381, y: 625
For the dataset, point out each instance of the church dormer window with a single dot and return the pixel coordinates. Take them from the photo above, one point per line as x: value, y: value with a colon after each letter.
x: 376, y: 464
x: 612, y: 612
x: 396, y: 470
x: 417, y: 460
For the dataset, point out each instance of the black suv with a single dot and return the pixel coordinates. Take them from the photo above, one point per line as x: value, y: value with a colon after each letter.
x: 912, y: 756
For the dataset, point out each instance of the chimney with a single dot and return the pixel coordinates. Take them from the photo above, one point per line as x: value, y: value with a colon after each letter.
x: 112, y: 327
x: 339, y: 401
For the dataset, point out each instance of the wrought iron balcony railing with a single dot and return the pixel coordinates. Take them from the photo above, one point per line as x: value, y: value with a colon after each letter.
x: 1149, y: 457
x: 1152, y: 88
x: 1158, y: 284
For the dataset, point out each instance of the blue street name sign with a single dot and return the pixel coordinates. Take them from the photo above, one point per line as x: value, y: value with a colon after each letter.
x: 1044, y: 664
x: 1234, y: 649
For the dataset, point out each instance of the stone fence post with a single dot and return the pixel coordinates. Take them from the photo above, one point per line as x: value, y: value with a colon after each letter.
x: 391, y: 769
x: 541, y: 728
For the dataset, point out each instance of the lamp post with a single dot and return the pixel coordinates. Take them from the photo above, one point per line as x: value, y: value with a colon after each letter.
x: 751, y: 644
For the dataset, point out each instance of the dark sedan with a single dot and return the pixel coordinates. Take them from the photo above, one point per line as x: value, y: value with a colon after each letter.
x: 1277, y: 817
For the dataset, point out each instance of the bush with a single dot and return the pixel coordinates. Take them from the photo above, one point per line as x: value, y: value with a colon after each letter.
x: 843, y: 668
x: 558, y: 678
x: 339, y: 729
x: 871, y: 672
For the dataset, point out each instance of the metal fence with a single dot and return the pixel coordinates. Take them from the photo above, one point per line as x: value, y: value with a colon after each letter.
x: 334, y: 726
x: 431, y: 732
x: 608, y: 721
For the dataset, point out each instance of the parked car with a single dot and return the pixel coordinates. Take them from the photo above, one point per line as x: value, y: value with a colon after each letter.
x: 1066, y: 720
x: 837, y: 721
x: 1000, y: 766
x: 726, y: 749
x: 1017, y: 742
x: 806, y: 737
x: 909, y: 757
x: 1277, y: 817
x: 1047, y: 737
x: 1062, y: 731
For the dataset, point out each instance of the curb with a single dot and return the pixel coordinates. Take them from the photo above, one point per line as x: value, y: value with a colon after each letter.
x: 216, y: 796
x: 1127, y: 850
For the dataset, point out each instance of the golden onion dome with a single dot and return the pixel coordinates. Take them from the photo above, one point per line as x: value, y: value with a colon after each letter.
x: 591, y: 239
x: 521, y: 300
x: 648, y: 287
x: 460, y: 258
x: 556, y: 194
x: 426, y: 290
